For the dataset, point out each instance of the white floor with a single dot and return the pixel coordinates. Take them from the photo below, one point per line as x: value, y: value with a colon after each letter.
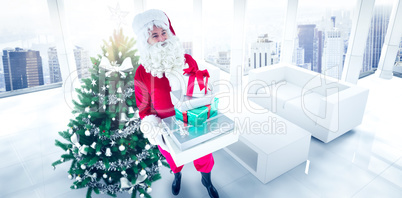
x: 365, y: 162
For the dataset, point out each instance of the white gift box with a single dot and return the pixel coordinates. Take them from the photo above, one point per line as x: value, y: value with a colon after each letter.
x: 184, y: 103
x: 196, y: 92
x: 179, y: 81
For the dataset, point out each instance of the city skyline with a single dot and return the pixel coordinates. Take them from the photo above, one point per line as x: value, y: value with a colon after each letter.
x: 261, y: 18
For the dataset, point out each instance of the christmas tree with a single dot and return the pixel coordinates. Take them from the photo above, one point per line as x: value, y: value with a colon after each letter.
x: 108, y: 151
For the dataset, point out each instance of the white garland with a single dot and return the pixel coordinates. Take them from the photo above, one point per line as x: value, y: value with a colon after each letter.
x: 131, y: 128
x: 128, y: 92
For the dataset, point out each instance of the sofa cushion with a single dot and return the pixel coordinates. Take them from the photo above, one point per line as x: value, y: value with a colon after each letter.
x: 275, y: 96
x: 310, y: 104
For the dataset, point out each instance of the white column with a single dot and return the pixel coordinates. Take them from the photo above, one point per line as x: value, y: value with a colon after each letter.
x: 139, y: 6
x: 357, y: 40
x: 198, y: 52
x: 237, y: 42
x: 391, y: 42
x: 64, y: 47
x: 289, y: 32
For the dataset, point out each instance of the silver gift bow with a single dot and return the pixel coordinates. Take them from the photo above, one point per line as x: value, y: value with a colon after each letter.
x: 124, y: 67
x: 127, y: 184
x: 74, y: 139
x: 93, y: 176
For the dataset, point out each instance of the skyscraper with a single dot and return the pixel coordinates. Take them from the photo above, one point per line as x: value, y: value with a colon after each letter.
x: 398, y: 61
x: 376, y: 36
x: 298, y: 54
x: 22, y: 68
x: 82, y: 62
x: 54, y: 66
x: 332, y: 59
x: 333, y: 52
x: 306, y: 40
x: 224, y: 58
x: 261, y: 52
x: 2, y: 84
x: 317, y: 52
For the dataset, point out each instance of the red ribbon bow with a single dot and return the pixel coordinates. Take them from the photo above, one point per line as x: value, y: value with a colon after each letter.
x: 200, y: 74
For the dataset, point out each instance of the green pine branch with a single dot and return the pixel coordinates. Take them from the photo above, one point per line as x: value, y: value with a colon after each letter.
x: 134, y: 194
x: 93, y: 161
x: 67, y: 157
x: 156, y: 177
x: 62, y: 145
x: 54, y: 164
x: 86, y: 180
x: 89, y: 192
x: 96, y: 190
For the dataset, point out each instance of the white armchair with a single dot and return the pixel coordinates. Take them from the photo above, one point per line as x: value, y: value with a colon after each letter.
x: 324, y: 106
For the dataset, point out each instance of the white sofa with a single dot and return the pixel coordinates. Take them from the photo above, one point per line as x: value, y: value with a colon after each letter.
x: 324, y: 106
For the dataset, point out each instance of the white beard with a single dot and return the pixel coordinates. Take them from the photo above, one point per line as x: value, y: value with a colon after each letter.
x: 163, y: 57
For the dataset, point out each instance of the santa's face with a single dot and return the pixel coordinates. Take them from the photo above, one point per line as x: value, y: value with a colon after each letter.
x: 157, y: 35
x: 163, y: 54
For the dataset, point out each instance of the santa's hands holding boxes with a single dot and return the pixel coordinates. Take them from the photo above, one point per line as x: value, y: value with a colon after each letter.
x: 192, y: 98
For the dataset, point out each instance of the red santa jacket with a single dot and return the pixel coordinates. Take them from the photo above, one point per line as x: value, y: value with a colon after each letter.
x: 152, y: 94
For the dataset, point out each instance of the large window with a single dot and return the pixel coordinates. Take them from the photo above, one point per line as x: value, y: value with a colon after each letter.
x: 26, y: 43
x: 398, y: 61
x: 263, y: 33
x: 323, y: 30
x: 92, y: 22
x: 375, y: 39
x: 218, y: 23
x: 399, y: 55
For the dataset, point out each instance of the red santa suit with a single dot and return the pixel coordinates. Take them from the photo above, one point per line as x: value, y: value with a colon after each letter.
x: 153, y: 99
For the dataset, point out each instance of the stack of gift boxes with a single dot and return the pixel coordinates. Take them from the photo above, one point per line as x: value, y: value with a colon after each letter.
x: 195, y: 103
x: 196, y: 117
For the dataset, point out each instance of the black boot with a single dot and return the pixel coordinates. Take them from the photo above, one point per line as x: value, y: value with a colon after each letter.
x: 206, y: 181
x: 176, y: 183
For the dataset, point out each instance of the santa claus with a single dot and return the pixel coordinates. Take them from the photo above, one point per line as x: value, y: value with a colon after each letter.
x: 161, y: 57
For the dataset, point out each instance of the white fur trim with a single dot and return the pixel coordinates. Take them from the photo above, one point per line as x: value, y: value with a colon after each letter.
x: 152, y: 119
x: 149, y: 125
x: 142, y: 19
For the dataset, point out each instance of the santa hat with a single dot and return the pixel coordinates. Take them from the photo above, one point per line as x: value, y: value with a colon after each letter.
x: 144, y: 19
